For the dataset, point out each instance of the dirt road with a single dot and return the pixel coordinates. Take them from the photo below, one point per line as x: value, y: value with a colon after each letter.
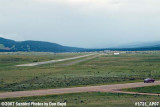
x: 54, y: 61
x: 102, y: 88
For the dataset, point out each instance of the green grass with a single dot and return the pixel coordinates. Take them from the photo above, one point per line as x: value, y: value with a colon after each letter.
x: 11, y: 58
x: 105, y: 69
x: 91, y: 99
x: 148, y: 89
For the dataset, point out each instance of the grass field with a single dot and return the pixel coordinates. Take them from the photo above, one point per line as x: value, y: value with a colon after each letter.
x: 149, y: 89
x: 95, y: 99
x: 12, y: 58
x: 105, y: 69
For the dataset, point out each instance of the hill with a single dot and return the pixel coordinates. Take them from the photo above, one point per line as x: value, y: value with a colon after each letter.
x: 139, y: 44
x: 7, y: 45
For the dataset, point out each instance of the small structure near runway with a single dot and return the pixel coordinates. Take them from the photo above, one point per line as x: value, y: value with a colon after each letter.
x: 117, y: 53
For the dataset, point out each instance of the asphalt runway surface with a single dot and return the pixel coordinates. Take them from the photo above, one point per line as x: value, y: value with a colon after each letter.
x: 54, y: 61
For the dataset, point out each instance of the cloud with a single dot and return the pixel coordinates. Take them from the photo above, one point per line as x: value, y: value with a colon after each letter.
x: 2, y: 36
x: 12, y: 36
x: 124, y: 6
x: 70, y: 1
x: 63, y: 21
x: 92, y: 3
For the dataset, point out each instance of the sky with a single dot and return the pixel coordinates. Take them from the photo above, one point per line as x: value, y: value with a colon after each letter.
x: 81, y: 23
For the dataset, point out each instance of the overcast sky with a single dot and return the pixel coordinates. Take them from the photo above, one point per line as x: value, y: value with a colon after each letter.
x: 81, y: 23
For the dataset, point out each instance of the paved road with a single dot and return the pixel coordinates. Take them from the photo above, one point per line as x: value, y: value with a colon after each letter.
x: 54, y: 61
x: 102, y: 88
x: 78, y: 61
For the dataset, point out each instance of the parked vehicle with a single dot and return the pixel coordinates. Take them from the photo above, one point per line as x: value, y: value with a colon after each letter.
x: 149, y: 80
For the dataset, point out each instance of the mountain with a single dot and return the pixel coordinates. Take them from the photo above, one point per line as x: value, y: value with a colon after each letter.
x: 139, y: 44
x: 7, y: 45
x: 150, y: 46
